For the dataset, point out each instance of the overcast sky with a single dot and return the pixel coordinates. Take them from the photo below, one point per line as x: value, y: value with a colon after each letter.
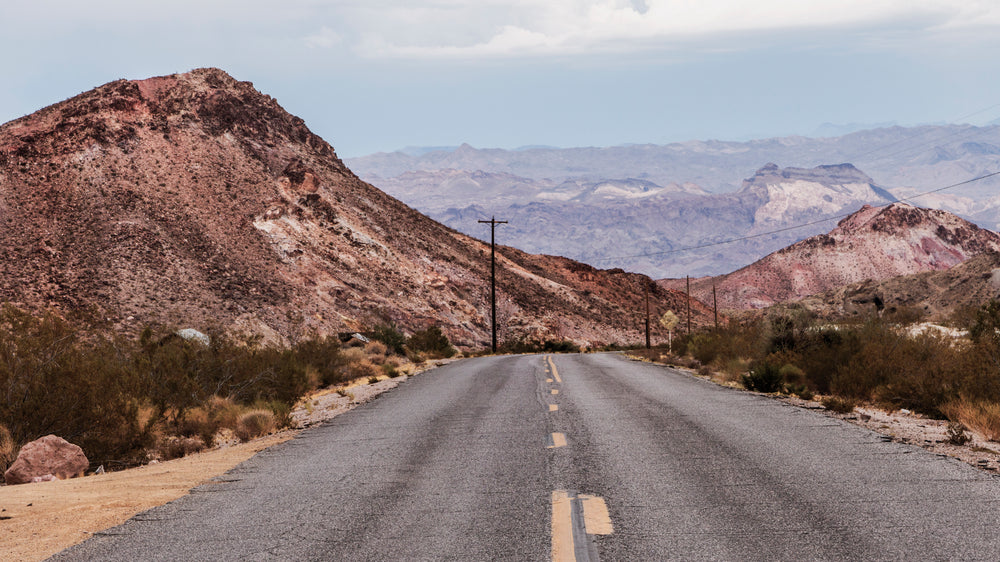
x: 378, y: 75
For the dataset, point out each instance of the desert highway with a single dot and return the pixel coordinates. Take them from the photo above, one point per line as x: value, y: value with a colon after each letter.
x: 574, y: 457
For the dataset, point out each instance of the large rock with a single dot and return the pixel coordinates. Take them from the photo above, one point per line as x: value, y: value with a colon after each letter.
x: 47, y: 457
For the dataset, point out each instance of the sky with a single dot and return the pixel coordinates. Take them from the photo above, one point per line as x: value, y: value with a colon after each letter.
x: 379, y: 75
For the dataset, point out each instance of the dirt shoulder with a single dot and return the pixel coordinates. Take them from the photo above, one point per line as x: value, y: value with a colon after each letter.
x: 39, y: 520
x: 901, y: 426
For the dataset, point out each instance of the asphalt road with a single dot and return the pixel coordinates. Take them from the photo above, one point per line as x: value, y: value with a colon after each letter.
x: 574, y: 457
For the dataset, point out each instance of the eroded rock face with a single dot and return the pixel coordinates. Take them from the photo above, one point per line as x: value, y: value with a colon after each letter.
x: 46, y: 459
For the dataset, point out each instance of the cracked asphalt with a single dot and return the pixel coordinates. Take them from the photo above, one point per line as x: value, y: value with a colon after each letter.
x: 460, y: 464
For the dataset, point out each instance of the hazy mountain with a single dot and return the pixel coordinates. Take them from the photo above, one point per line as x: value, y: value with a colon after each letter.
x: 640, y: 197
x: 193, y: 199
x: 873, y: 244
x: 925, y: 157
x: 640, y: 224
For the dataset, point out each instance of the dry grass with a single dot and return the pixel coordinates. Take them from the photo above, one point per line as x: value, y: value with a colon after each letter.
x: 255, y: 423
x: 8, y: 449
x: 980, y: 416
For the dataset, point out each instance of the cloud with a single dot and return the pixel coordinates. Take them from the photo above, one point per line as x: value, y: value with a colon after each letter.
x: 324, y: 38
x: 441, y: 29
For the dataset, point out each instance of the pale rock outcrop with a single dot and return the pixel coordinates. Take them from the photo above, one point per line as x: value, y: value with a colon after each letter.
x: 45, y: 459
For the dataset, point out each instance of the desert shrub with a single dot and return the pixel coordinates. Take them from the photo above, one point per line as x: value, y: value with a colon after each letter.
x: 763, y: 377
x: 389, y: 335
x: 705, y: 347
x: 838, y: 404
x: 958, y: 434
x: 376, y: 350
x: 8, y: 449
x: 431, y: 342
x: 980, y: 415
x: 390, y: 370
x: 174, y: 447
x: 363, y: 369
x: 527, y: 345
x: 255, y: 423
x: 55, y: 380
x: 793, y: 376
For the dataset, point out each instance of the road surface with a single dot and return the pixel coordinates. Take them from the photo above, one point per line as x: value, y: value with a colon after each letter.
x: 574, y: 457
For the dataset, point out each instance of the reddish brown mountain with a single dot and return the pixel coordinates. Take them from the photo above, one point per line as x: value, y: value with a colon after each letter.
x: 875, y: 243
x: 193, y: 199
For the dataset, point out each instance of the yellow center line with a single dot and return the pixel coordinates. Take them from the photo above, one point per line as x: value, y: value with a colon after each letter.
x: 562, y: 528
x: 555, y: 391
x: 553, y: 408
x: 596, y: 519
x: 548, y: 380
x: 555, y: 372
x: 558, y: 440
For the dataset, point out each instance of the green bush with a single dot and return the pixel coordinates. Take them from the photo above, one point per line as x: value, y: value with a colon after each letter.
x: 431, y: 342
x: 764, y: 377
x: 390, y: 335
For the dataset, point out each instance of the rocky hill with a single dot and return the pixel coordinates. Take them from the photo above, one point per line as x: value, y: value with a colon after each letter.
x: 873, y: 244
x: 195, y: 200
x: 934, y: 294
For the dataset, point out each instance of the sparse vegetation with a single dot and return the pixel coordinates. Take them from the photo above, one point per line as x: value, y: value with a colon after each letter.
x: 157, y: 395
x: 873, y: 360
x: 431, y: 342
x: 838, y: 404
x: 957, y: 433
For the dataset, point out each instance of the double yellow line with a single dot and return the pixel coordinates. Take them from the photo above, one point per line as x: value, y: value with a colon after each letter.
x: 592, y: 509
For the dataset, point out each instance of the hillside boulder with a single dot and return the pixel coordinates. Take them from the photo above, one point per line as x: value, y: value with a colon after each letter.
x: 44, y: 458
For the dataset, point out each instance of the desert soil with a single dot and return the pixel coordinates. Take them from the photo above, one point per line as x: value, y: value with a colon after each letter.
x: 39, y: 520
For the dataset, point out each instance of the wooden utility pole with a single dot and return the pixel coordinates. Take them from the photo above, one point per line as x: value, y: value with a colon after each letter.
x: 688, y: 277
x: 493, y: 222
x: 715, y: 306
x: 646, y: 285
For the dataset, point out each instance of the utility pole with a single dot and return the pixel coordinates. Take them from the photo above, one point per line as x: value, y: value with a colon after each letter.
x: 493, y: 222
x: 715, y: 305
x: 688, y: 277
x: 646, y: 285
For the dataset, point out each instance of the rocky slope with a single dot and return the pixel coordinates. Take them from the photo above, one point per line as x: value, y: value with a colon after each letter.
x: 875, y: 243
x: 193, y: 199
x: 933, y: 294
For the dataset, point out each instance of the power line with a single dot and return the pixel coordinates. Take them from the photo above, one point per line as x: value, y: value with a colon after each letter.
x: 787, y: 228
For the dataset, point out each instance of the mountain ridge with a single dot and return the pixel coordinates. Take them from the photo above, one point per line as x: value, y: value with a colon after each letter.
x: 195, y: 199
x: 874, y: 243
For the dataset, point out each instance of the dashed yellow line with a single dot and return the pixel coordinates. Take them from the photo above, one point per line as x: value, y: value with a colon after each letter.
x: 596, y: 518
x: 554, y: 391
x: 555, y: 372
x: 558, y: 440
x: 553, y: 407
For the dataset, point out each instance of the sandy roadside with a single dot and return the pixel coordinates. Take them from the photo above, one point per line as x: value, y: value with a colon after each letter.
x: 39, y: 520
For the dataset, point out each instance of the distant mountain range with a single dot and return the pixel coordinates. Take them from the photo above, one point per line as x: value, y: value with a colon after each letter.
x: 664, y: 209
